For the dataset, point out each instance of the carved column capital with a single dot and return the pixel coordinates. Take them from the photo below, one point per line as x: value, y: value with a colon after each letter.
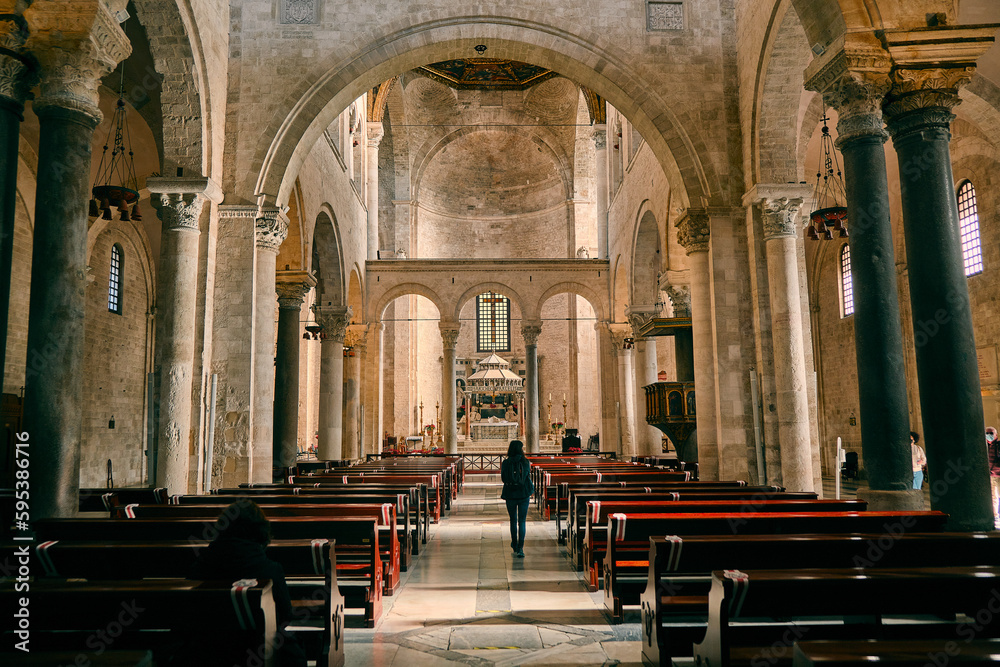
x: 619, y: 332
x: 693, y: 230
x: 531, y: 331
x: 449, y: 334
x: 780, y: 216
x: 17, y: 74
x: 600, y: 136
x: 355, y: 337
x: 853, y: 80
x: 77, y: 43
x: 179, y: 201
x: 639, y: 316
x: 271, y: 227
x: 680, y: 299
x: 375, y: 134
x: 334, y: 321
x: 292, y: 287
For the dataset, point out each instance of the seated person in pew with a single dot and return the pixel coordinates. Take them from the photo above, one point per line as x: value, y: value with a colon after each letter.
x: 238, y: 553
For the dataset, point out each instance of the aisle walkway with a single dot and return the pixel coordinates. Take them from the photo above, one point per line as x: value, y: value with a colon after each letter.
x: 466, y: 600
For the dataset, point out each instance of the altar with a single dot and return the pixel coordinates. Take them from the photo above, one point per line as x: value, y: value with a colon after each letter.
x: 494, y: 429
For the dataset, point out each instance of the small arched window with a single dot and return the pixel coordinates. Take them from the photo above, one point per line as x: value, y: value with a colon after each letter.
x: 846, y: 283
x: 968, y: 226
x: 115, y: 280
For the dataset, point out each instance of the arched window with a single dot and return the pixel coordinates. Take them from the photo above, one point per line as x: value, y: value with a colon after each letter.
x: 968, y: 226
x: 492, y: 323
x: 846, y: 284
x: 115, y: 280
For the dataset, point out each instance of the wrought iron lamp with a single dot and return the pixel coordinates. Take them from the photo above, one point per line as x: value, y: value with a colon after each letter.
x: 830, y: 196
x: 116, y: 184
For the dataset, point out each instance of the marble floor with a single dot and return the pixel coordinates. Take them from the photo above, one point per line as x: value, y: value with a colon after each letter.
x: 467, y: 600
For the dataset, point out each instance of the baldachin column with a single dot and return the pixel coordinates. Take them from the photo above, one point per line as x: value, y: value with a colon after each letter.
x: 74, y: 55
x: 271, y: 230
x: 179, y: 203
x: 918, y: 110
x: 334, y: 321
x: 693, y: 234
x: 292, y: 288
x: 530, y: 331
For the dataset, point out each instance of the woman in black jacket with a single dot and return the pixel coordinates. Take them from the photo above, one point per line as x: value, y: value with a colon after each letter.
x: 517, y: 490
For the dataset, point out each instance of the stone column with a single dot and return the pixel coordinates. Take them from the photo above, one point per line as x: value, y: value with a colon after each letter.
x: 854, y: 81
x: 780, y: 218
x: 354, y: 347
x: 334, y: 321
x: 693, y: 234
x: 647, y: 438
x: 292, y: 288
x: 449, y: 338
x: 608, y: 362
x: 601, y: 187
x: 76, y: 42
x: 530, y: 331
x: 680, y: 299
x: 178, y: 202
x: 918, y: 109
x: 271, y: 230
x: 16, y: 78
x: 375, y: 133
x: 620, y: 334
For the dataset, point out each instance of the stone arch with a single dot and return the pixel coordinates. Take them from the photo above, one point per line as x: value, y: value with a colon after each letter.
x: 567, y: 287
x: 646, y: 258
x: 328, y: 261
x: 499, y: 288
x: 356, y: 295
x: 291, y: 133
x: 538, y: 136
x: 404, y: 289
x: 175, y: 44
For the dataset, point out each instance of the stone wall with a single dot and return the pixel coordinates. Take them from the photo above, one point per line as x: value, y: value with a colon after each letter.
x: 20, y: 291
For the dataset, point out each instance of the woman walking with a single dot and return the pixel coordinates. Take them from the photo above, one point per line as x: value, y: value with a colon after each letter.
x: 517, y: 490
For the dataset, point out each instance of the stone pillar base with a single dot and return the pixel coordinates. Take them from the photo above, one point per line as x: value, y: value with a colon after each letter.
x: 908, y: 500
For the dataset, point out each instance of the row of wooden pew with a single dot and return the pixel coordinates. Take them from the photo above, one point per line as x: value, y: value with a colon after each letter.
x: 341, y: 535
x: 832, y: 581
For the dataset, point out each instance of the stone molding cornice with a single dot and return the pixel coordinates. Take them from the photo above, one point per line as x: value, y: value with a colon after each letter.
x: 693, y: 230
x: 334, y: 320
x: 271, y: 227
x: 238, y: 211
x: 680, y: 299
x: 77, y: 43
x: 292, y: 287
x: 853, y: 77
x: 780, y: 217
x: 449, y: 334
x: 530, y: 332
x: 763, y: 191
x: 375, y: 134
x: 183, y: 185
x: 17, y: 75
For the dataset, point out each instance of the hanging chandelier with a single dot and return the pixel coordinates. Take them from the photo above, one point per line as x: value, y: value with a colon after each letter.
x: 116, y: 184
x: 830, y: 214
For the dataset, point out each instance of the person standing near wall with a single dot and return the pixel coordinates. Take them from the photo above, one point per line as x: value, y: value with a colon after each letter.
x: 993, y: 454
x: 515, y: 473
x: 919, y: 460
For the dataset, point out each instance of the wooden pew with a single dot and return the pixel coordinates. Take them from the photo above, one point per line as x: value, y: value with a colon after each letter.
x: 595, y: 536
x: 744, y: 605
x: 550, y: 482
x: 431, y: 482
x: 101, y: 500
x: 359, y: 565
x: 679, y: 569
x: 909, y: 653
x: 404, y: 517
x: 224, y: 622
x: 309, y: 567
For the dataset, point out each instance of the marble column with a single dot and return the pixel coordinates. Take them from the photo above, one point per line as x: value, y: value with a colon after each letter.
x: 334, y: 321
x: 179, y: 203
x: 621, y: 333
x: 449, y: 338
x: 376, y: 347
x: 693, y: 233
x: 647, y: 438
x: 73, y: 56
x: 918, y: 109
x: 375, y: 133
x: 16, y: 78
x: 780, y: 218
x: 271, y: 228
x: 292, y: 288
x: 354, y: 348
x: 601, y: 187
x: 530, y: 331
x: 854, y: 83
